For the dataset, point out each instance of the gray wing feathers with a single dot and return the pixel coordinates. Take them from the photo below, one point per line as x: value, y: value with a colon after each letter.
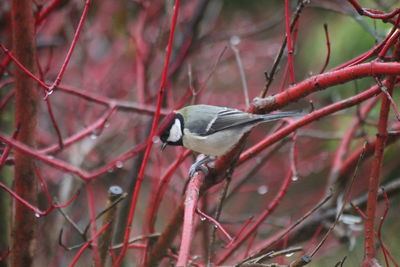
x: 211, y: 119
x: 236, y: 118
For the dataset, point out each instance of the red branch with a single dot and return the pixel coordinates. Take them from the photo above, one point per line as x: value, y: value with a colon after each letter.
x: 192, y: 196
x: 375, y: 14
x: 376, y: 169
x: 278, y: 135
x: 153, y: 132
x: 373, y: 186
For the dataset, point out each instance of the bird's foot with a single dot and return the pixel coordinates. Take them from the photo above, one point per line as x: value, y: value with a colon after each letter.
x: 200, y: 165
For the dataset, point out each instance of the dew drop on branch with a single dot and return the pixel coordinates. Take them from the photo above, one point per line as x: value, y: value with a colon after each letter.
x: 156, y: 139
x: 119, y: 164
x: 37, y: 215
x: 93, y: 136
x: 235, y: 40
x: 262, y: 190
x: 295, y: 178
x: 289, y: 255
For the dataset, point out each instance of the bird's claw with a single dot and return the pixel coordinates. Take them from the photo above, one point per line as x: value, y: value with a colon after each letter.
x: 197, y: 167
x: 200, y: 165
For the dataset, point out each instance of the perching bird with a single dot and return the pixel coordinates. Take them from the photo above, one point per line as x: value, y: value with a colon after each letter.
x: 213, y: 130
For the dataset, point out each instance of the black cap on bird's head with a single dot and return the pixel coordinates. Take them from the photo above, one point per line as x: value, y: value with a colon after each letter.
x: 173, y: 134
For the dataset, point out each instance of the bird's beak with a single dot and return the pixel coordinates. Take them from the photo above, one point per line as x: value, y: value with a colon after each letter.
x: 163, y: 146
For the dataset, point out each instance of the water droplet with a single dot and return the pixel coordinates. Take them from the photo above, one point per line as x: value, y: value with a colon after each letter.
x: 202, y: 218
x: 262, y: 190
x: 50, y: 157
x: 37, y: 215
x: 289, y: 255
x: 106, y: 125
x: 235, y: 40
x: 295, y: 178
x: 49, y: 92
x: 215, y: 226
x: 156, y: 139
x: 119, y: 164
x: 93, y: 136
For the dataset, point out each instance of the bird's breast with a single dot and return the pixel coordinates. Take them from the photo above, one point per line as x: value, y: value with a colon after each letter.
x: 215, y: 144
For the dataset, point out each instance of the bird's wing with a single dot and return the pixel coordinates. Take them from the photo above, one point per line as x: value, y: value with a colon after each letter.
x: 230, y: 118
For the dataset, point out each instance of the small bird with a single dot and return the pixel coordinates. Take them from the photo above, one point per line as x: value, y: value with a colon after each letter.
x: 212, y: 130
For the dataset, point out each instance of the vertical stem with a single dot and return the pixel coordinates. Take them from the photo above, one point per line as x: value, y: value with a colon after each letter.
x: 289, y: 42
x: 24, y: 223
x: 369, y: 242
x: 376, y: 169
x: 189, y: 222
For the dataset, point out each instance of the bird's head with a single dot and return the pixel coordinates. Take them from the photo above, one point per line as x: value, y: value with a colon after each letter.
x: 173, y: 134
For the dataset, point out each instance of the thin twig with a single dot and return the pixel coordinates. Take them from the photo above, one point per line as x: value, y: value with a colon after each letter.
x: 270, y: 75
x: 345, y: 196
x: 241, y: 72
x: 217, y: 215
x: 328, y: 46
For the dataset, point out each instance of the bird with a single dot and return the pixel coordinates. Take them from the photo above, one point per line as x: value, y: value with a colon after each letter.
x: 212, y: 130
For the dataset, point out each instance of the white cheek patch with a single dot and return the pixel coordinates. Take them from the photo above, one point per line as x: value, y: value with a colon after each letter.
x: 175, y: 133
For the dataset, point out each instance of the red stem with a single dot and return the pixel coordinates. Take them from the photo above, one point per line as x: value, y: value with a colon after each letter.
x: 369, y: 242
x: 379, y: 233
x: 278, y: 135
x: 71, y: 48
x: 376, y: 169
x: 216, y: 224
x: 160, y: 97
x: 375, y: 14
x: 192, y: 196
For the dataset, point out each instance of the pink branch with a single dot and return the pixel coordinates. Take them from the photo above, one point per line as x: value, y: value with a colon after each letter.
x: 71, y: 49
x: 192, y: 196
x: 59, y: 164
x: 22, y: 67
x: 216, y: 224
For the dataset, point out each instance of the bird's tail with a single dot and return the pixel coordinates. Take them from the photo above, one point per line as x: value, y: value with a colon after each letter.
x: 281, y: 115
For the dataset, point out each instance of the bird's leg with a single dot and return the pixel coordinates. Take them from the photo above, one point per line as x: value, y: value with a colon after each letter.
x: 200, y: 165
